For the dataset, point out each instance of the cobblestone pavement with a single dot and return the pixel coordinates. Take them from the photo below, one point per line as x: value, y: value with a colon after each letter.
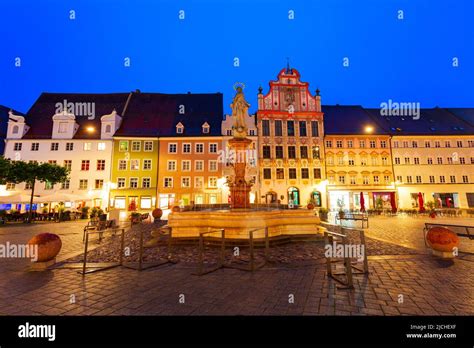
x: 408, y: 283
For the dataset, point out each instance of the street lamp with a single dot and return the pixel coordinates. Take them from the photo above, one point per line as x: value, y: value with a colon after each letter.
x: 369, y: 129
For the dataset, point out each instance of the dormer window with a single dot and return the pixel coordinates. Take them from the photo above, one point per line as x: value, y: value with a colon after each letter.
x: 205, y: 128
x: 179, y: 128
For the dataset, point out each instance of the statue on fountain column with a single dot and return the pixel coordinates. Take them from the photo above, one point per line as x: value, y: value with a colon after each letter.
x: 240, y: 113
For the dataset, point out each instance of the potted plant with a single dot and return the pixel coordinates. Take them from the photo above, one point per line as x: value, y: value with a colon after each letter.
x: 323, y: 214
x: 84, y: 212
x: 340, y: 204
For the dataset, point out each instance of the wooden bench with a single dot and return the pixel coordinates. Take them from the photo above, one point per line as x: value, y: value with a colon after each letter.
x: 353, y: 217
x: 460, y: 230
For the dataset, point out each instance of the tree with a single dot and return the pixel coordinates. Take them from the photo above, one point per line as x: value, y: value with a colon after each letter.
x: 30, y: 172
x: 5, y: 165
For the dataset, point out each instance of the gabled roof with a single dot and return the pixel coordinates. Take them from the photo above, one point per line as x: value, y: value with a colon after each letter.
x: 349, y: 119
x: 157, y: 114
x: 432, y: 121
x: 4, y: 110
x: 39, y: 117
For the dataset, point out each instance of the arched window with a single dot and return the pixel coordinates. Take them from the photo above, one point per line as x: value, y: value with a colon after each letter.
x: 15, y: 130
x: 108, y: 128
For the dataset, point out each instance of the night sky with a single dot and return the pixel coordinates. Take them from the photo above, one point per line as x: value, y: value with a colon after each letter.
x: 409, y: 60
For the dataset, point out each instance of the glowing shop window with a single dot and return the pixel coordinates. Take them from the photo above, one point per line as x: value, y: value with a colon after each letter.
x: 145, y: 202
x: 120, y: 202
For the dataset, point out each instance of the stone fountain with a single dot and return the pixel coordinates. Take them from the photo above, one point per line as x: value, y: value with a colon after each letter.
x: 241, y: 218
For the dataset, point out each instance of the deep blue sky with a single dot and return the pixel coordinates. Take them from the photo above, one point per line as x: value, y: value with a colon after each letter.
x: 405, y: 60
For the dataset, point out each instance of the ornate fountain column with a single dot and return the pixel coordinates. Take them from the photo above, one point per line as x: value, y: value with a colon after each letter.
x: 238, y: 186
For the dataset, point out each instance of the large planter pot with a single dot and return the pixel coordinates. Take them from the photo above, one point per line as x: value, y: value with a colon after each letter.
x: 310, y: 206
x: 49, y: 246
x: 443, y: 241
x: 176, y: 209
x: 157, y: 213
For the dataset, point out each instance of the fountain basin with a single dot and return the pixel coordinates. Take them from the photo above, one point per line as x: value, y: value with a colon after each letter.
x: 238, y: 222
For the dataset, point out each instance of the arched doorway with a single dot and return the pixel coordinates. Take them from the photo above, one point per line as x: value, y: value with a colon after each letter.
x: 270, y: 197
x: 294, y: 196
x: 316, y: 198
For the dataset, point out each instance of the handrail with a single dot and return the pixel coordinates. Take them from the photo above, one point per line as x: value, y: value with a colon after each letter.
x: 201, y: 249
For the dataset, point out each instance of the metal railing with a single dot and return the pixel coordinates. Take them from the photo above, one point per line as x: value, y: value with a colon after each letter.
x: 220, y: 264
x: 252, y: 267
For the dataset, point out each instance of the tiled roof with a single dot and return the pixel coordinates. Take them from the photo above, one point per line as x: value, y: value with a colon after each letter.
x: 430, y: 122
x: 156, y: 114
x: 349, y: 119
x: 39, y: 117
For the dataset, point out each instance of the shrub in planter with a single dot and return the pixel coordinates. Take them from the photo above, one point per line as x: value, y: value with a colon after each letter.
x: 84, y: 212
x: 323, y: 214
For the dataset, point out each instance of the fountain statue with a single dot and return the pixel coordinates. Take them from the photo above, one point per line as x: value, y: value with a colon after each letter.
x: 239, y: 144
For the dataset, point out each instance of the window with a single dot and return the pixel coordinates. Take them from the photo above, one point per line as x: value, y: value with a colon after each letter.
x: 68, y: 164
x: 472, y: 160
x: 198, y: 182
x: 213, y: 148
x: 147, y: 164
x: 123, y: 146
x: 62, y: 127
x: 330, y: 160
x: 212, y: 182
x: 418, y: 179
x: 363, y: 161
x: 407, y: 160
x: 171, y: 165
x: 450, y: 160
x: 314, y: 129
x: 442, y: 179
x: 316, y: 153
x: 340, y: 160
x: 35, y: 146
x: 399, y: 178
x: 266, y: 128
x: 52, y: 162
x: 228, y: 132
x: 303, y: 151
x: 317, y: 173
x: 278, y: 128
x: 462, y: 160
x: 350, y: 144
x: 145, y: 202
x: 10, y: 186
x: 427, y: 144
x: 83, y: 184
x: 432, y: 179
x: 452, y: 178
x: 372, y: 144
x: 430, y: 160
x: 185, y: 182
x: 69, y: 146
x: 459, y: 143
x: 365, y: 179
x: 292, y: 173
x: 416, y: 160
x: 199, y: 148
x: 339, y: 144
x: 65, y: 185
x: 328, y: 143
x: 384, y: 161
x: 437, y: 144
x: 374, y: 161
x: 85, y: 164
x: 342, y: 179
x: 291, y: 152
x: 280, y: 174
x: 386, y: 179
x: 447, y: 144
x: 383, y: 144
x: 133, y: 182
x: 120, y: 182
x: 120, y: 202
x: 148, y: 146
x: 251, y: 132
x: 395, y: 144
x: 199, y: 166
x: 213, y: 166
x: 186, y: 165
x: 146, y: 182
x: 290, y: 128
x: 87, y: 146
x: 186, y: 148
x: 405, y: 144
x: 135, y: 164
x: 279, y: 151
x: 179, y: 128
x: 122, y: 165
x: 304, y: 173
x: 54, y: 146
x: 99, y: 184
x: 414, y: 144
x: 172, y: 148
x: 100, y: 164
x: 108, y: 128
x: 352, y: 180
x: 465, y: 179
x: 409, y: 179
x: 136, y: 146
x: 266, y: 151
x: 267, y: 173
x: 376, y: 179
x: 303, y: 130
x: 205, y: 128
x: 470, y: 143
x: 351, y: 161
x: 362, y: 144
x: 17, y: 147
x: 100, y: 146
x: 440, y: 160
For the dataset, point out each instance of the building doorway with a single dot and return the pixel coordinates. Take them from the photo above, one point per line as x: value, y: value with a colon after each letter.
x: 293, y: 196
